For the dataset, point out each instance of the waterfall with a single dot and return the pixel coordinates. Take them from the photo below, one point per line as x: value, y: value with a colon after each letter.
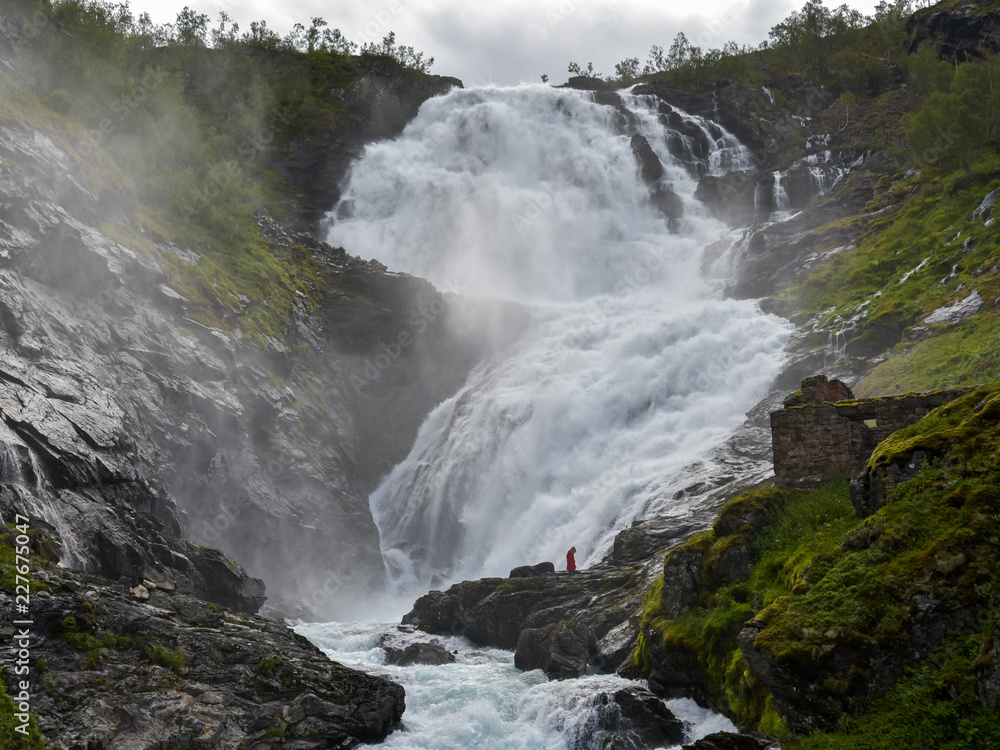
x: 779, y: 195
x: 634, y: 369
x: 33, y: 500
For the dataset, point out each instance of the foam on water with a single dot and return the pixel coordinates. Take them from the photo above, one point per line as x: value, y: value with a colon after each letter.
x: 483, y: 700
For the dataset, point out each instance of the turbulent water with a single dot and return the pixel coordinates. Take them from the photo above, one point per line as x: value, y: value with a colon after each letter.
x: 484, y: 701
x: 634, y: 368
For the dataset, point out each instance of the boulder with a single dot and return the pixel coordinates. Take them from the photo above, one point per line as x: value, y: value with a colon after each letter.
x: 630, y: 719
x: 732, y: 741
x: 433, y: 654
x: 531, y: 571
x: 561, y: 650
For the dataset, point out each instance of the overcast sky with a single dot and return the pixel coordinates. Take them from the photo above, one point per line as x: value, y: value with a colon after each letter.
x: 511, y: 41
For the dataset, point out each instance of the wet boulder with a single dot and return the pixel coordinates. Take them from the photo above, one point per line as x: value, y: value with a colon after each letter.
x: 432, y: 654
x: 561, y: 650
x: 630, y: 719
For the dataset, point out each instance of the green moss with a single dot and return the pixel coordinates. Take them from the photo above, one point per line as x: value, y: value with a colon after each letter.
x: 166, y: 658
x: 11, y: 738
x: 934, y: 705
x: 270, y: 665
x: 964, y: 428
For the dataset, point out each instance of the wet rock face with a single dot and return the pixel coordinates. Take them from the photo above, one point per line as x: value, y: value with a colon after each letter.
x: 630, y: 719
x: 127, y: 426
x: 958, y: 35
x: 383, y: 101
x: 172, y: 671
x: 561, y: 650
x: 730, y: 741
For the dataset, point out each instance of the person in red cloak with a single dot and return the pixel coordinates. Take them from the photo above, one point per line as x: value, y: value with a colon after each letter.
x: 571, y: 560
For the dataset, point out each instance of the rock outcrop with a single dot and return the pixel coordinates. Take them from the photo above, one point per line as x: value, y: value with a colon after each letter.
x: 730, y: 741
x: 116, y: 668
x: 557, y: 621
x: 959, y: 34
x: 631, y: 719
x: 381, y: 103
x: 131, y: 426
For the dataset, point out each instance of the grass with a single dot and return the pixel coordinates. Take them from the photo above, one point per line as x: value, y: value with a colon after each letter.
x: 833, y: 596
x: 10, y: 737
x: 801, y: 527
x: 966, y: 354
x: 919, y: 248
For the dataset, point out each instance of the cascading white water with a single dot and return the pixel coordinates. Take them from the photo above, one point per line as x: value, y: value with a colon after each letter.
x: 633, y: 369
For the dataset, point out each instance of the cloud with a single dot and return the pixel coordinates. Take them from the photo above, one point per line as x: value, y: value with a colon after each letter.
x: 517, y: 40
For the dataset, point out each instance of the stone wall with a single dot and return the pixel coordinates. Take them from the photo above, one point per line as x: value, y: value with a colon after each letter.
x: 813, y: 439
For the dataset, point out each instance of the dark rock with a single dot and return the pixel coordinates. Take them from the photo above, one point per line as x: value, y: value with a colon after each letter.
x: 561, y: 650
x: 227, y: 678
x: 774, y: 256
x: 650, y: 167
x: 730, y: 741
x: 988, y: 669
x: 433, y: 654
x: 730, y: 197
x: 630, y: 719
x: 674, y: 672
x: 682, y: 582
x: 530, y: 571
x: 644, y: 538
x: 959, y: 35
x: 870, y: 490
x: 587, y: 83
x: 668, y: 203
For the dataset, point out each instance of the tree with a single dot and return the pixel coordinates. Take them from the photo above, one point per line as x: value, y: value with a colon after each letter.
x: 927, y: 73
x: 946, y: 128
x: 314, y: 35
x: 190, y: 28
x: 577, y: 70
x: 627, y: 69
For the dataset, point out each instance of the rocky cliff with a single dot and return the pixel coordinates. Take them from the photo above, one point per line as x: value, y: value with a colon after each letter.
x: 129, y: 426
x: 114, y: 667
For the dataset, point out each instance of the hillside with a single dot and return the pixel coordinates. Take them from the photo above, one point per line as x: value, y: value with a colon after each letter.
x: 198, y: 394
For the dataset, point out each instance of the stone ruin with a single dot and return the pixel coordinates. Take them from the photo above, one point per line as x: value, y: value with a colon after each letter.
x: 824, y: 431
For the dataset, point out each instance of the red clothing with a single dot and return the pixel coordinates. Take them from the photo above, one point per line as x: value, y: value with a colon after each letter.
x: 570, y: 561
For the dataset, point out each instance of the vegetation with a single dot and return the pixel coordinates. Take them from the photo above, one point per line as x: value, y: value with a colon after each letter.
x: 10, y: 737
x: 151, y: 119
x: 822, y: 582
